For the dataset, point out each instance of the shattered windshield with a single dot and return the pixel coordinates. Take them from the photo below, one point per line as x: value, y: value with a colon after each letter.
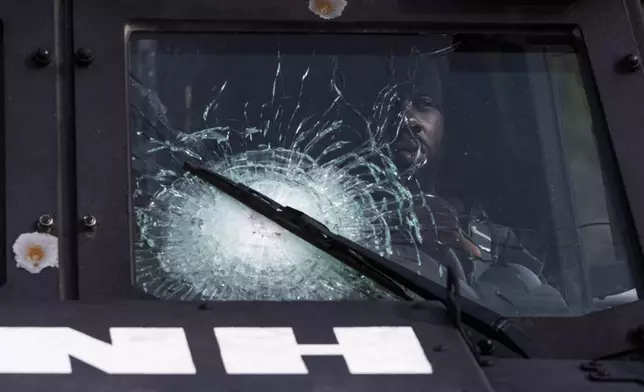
x: 434, y: 151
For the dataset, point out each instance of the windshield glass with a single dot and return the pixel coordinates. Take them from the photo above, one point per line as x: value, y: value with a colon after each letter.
x: 477, y: 153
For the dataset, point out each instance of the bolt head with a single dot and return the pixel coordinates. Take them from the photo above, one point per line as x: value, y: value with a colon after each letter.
x: 632, y: 62
x: 45, y: 223
x: 486, y: 346
x: 46, y: 220
x: 89, y: 222
x: 42, y: 57
x: 84, y: 57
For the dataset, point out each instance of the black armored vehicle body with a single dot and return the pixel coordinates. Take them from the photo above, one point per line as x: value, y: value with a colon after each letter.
x: 322, y: 195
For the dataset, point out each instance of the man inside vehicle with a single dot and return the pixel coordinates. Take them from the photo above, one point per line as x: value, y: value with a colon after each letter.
x: 489, y: 260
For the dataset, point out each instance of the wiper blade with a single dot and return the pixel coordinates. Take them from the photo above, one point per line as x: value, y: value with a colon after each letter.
x: 298, y: 223
x: 383, y: 271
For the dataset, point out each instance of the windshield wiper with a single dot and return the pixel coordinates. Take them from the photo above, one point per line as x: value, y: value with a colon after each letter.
x: 390, y: 275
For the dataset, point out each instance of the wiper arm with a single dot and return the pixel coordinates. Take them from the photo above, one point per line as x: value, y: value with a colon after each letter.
x: 383, y: 271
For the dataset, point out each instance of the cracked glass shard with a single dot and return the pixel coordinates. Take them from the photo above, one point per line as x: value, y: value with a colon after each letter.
x: 193, y: 242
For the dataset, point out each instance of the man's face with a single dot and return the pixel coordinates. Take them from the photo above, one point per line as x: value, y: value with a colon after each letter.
x: 420, y: 136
